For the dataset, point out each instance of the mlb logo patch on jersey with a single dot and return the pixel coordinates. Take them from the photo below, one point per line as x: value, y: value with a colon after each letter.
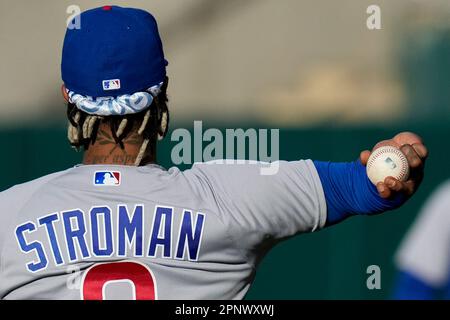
x: 107, y: 178
x: 113, y: 84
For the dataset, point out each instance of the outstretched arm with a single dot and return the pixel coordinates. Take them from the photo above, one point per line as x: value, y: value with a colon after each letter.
x: 348, y: 191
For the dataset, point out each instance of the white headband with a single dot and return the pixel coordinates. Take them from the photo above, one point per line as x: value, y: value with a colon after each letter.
x: 119, y: 106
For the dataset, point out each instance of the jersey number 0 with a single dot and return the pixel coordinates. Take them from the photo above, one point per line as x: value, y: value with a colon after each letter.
x: 111, y: 280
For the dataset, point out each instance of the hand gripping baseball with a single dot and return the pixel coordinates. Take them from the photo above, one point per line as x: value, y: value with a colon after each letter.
x: 412, y: 147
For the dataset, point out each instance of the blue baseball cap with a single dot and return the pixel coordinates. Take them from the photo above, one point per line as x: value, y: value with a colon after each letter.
x: 116, y: 51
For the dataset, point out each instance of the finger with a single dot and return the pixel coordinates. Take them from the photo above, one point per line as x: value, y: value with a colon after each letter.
x: 413, y: 158
x: 364, y: 157
x: 394, y: 184
x: 421, y: 150
x: 383, y: 190
x: 409, y: 187
x: 385, y: 143
x: 407, y: 138
x: 414, y: 180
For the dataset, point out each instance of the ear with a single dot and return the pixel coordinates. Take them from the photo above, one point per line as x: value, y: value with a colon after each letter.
x: 64, y: 93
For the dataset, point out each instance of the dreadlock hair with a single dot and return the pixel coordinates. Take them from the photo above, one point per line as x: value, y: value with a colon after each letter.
x: 151, y: 123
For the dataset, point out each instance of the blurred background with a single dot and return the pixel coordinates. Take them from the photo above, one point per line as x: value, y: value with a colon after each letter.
x: 309, y: 67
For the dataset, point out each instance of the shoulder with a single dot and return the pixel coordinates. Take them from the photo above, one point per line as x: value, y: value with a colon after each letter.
x: 424, y: 250
x: 437, y: 203
x: 14, y: 198
x: 28, y: 188
x: 442, y: 192
x: 251, y: 167
x: 251, y: 175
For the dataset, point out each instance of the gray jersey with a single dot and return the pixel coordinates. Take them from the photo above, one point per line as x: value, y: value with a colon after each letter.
x: 119, y: 232
x: 425, y: 251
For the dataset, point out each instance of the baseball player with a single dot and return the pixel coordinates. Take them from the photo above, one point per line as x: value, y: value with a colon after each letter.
x: 423, y: 259
x: 119, y: 226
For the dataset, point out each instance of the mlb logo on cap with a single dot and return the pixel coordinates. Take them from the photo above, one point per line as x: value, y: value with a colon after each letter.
x: 114, y: 43
x: 111, y: 84
x: 107, y: 178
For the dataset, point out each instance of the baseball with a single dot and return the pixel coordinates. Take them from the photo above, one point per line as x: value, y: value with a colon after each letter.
x: 387, y: 161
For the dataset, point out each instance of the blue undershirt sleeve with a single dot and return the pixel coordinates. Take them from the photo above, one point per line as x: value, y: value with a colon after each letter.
x: 348, y: 191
